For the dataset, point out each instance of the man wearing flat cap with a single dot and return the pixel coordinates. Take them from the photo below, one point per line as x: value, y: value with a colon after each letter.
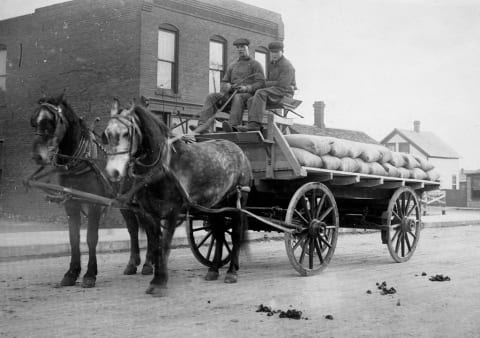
x: 280, y: 83
x: 242, y: 78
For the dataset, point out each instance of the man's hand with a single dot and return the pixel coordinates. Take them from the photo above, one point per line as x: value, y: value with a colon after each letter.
x: 243, y: 89
x: 225, y: 87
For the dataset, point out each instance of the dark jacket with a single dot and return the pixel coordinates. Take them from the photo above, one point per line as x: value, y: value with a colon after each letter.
x: 245, y: 71
x: 281, y: 75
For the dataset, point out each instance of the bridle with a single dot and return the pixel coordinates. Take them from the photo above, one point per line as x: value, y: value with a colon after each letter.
x: 133, y: 131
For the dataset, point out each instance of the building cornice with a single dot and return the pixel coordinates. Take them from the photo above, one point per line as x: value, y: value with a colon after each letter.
x: 218, y: 14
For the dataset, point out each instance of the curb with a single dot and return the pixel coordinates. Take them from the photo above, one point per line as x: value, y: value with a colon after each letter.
x: 33, y: 251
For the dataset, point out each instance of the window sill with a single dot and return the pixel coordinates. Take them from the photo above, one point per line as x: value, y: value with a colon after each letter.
x: 166, y: 92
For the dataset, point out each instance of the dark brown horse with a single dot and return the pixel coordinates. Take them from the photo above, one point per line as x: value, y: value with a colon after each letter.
x: 179, y: 177
x: 63, y: 141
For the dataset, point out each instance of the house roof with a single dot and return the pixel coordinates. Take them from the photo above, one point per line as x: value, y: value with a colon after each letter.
x: 426, y: 142
x: 352, y: 135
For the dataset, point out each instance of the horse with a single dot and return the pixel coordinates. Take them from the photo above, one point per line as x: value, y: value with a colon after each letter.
x: 179, y: 177
x: 64, y: 141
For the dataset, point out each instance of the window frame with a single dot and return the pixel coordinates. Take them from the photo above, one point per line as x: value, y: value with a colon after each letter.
x: 3, y: 77
x: 400, y: 144
x: 264, y: 51
x: 223, y: 42
x: 174, y: 64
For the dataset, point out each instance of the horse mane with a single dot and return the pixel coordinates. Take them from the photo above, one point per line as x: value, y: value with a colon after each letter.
x: 155, y: 131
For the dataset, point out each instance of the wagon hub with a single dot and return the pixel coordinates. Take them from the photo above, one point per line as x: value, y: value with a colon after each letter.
x: 407, y: 224
x: 316, y: 227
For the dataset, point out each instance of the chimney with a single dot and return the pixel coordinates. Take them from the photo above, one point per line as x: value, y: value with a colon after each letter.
x: 416, y: 126
x: 319, y: 114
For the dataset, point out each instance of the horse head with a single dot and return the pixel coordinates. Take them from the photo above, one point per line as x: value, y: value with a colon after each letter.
x: 51, y: 124
x: 137, y: 139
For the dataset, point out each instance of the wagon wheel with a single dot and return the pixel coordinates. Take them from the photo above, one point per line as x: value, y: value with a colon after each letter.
x: 404, y: 223
x: 314, y: 212
x: 201, y: 241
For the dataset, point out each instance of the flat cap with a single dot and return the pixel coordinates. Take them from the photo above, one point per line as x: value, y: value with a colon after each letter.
x: 241, y: 42
x: 275, y: 46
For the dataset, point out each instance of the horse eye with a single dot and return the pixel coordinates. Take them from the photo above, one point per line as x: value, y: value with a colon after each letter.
x: 124, y: 134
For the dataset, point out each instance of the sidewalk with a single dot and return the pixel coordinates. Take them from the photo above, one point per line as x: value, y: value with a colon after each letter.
x: 30, y: 243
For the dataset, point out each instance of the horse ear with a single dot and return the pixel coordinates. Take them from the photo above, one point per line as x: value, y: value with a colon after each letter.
x: 60, y: 97
x: 144, y: 101
x: 115, y: 107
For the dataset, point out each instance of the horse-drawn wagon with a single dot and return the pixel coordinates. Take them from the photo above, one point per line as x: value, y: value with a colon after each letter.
x: 311, y: 204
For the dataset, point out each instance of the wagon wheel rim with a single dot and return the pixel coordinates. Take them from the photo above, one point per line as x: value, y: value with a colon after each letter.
x: 202, y: 243
x: 403, y: 224
x: 314, y: 212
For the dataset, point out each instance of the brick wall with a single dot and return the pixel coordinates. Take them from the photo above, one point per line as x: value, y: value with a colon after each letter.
x: 91, y: 50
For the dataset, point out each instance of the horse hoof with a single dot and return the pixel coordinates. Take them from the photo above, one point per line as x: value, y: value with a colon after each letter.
x: 156, y: 290
x: 68, y: 281
x: 88, y: 282
x: 147, y: 269
x: 130, y: 270
x: 231, y: 278
x: 212, y: 275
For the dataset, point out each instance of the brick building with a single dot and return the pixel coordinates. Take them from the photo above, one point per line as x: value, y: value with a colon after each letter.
x: 171, y: 52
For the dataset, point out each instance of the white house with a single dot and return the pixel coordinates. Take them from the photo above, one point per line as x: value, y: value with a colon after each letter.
x: 427, y: 145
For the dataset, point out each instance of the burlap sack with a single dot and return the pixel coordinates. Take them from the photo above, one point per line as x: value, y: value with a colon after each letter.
x: 391, y: 170
x: 397, y: 160
x: 404, y: 172
x: 331, y: 162
x: 370, y: 153
x: 386, y: 154
x: 410, y: 161
x: 348, y: 164
x: 317, y: 145
x: 339, y: 148
x: 433, y: 175
x: 306, y: 158
x: 363, y: 167
x: 424, y: 164
x: 354, y: 149
x: 376, y: 168
x: 418, y: 174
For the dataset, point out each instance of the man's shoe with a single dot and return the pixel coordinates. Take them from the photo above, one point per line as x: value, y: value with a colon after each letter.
x: 254, y: 126
x: 241, y: 128
x: 227, y: 127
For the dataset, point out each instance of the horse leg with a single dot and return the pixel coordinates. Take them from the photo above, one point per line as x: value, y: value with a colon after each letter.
x: 73, y: 214
x: 239, y: 228
x: 218, y: 237
x: 94, y: 214
x: 158, y: 285
x: 132, y: 227
x: 147, y: 268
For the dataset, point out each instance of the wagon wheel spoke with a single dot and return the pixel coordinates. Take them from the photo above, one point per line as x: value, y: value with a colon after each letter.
x: 319, y: 251
x: 310, y: 253
x: 225, y: 244
x: 320, y: 206
x: 306, y: 208
x: 396, y: 215
x: 326, y: 242
x: 326, y: 213
x: 201, y: 228
x: 412, y: 234
x: 313, y: 203
x: 204, y: 239
x: 395, y: 234
x: 209, y: 252
x: 304, y: 221
x: 395, y: 226
x: 302, y: 254
x: 409, y: 247
x: 409, y: 212
x: 397, y: 245
x: 299, y: 242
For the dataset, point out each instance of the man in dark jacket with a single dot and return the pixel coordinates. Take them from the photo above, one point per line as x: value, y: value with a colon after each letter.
x: 244, y: 76
x: 280, y: 83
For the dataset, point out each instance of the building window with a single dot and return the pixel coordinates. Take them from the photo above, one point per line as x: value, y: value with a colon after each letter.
x: 475, y: 180
x: 404, y: 147
x: 216, y: 64
x: 3, y: 68
x: 391, y: 146
x: 454, y: 182
x: 167, y: 58
x: 261, y: 57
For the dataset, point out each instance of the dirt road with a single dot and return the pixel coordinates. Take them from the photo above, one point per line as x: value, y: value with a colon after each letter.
x: 32, y: 305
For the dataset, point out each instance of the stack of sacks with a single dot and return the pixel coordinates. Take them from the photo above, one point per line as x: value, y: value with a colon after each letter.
x: 338, y: 154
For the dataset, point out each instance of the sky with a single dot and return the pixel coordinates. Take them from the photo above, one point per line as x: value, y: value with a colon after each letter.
x: 379, y: 64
